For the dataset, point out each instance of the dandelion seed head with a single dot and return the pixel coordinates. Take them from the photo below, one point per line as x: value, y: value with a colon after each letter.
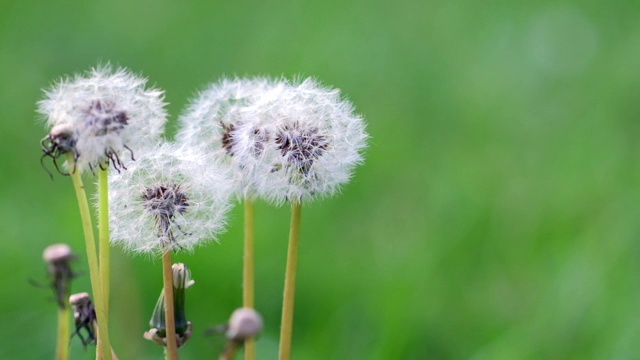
x: 169, y: 199
x: 301, y: 141
x: 107, y: 112
x: 210, y: 122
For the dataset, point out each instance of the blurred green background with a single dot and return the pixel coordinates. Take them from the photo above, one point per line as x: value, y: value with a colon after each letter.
x: 496, y: 216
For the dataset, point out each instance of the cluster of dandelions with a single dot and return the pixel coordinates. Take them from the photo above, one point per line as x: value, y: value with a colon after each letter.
x: 260, y: 138
x: 283, y: 141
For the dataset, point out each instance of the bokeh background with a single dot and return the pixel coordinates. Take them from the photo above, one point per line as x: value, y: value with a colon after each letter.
x: 496, y: 216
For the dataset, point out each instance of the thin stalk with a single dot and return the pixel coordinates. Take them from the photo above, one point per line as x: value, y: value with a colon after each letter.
x: 114, y: 356
x: 92, y: 258
x: 104, y: 237
x: 248, y: 286
x: 62, y: 349
x: 288, y: 302
x: 169, y: 317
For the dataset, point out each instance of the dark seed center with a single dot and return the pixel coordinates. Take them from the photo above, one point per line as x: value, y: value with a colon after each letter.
x: 103, y: 117
x: 301, y: 147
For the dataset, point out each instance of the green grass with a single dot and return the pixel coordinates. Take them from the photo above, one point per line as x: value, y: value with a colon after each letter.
x: 495, y: 216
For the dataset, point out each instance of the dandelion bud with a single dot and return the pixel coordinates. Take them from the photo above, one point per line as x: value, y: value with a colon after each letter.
x: 302, y: 141
x: 84, y: 315
x: 58, y: 258
x: 181, y: 281
x: 167, y: 201
x: 100, y: 116
x: 245, y: 323
x: 181, y: 276
x: 209, y: 123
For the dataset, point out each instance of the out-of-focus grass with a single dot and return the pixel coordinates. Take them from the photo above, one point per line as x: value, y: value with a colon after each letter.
x: 495, y: 217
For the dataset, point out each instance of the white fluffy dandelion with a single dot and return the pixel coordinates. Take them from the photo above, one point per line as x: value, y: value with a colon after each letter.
x: 299, y: 141
x: 210, y: 121
x: 167, y: 200
x: 101, y: 116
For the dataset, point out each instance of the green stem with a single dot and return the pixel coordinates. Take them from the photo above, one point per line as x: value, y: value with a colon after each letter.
x: 104, y: 237
x: 62, y: 350
x: 288, y: 302
x: 114, y: 356
x: 248, y: 295
x: 169, y: 316
x: 92, y: 258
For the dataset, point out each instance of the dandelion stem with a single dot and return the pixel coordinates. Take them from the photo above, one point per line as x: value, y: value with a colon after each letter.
x: 248, y: 295
x: 103, y: 241
x: 286, y: 328
x: 170, y: 320
x: 92, y: 258
x: 103, y: 227
x: 62, y: 350
x: 114, y: 356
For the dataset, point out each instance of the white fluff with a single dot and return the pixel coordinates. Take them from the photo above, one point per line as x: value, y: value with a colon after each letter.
x: 207, y: 124
x: 298, y: 141
x: 107, y: 110
x: 205, y: 185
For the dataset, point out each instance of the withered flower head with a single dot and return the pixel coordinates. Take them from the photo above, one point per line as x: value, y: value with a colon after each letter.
x: 58, y: 258
x: 84, y: 315
x: 244, y: 324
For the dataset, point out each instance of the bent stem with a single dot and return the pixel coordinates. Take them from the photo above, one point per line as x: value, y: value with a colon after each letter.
x: 248, y: 286
x: 62, y: 348
x: 170, y: 320
x: 288, y: 302
x: 92, y: 258
x: 104, y: 237
x: 229, y: 352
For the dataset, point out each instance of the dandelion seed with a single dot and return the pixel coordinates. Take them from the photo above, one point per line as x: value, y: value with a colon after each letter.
x: 165, y: 202
x: 100, y: 117
x: 300, y: 147
x: 303, y: 141
x: 168, y: 200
